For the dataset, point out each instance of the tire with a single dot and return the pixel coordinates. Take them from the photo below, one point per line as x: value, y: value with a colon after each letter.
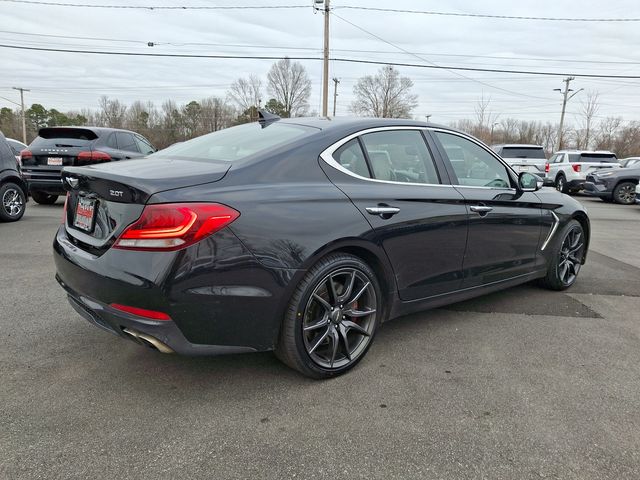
x: 625, y: 193
x: 568, y: 249
x: 327, y: 332
x: 12, y: 202
x: 561, y: 183
x: 44, y: 198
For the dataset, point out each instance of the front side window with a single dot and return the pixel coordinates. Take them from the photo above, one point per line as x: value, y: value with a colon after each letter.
x: 473, y: 165
x: 350, y: 156
x: 400, y: 156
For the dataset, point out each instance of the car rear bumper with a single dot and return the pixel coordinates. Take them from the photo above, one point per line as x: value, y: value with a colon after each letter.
x: 219, y: 297
x: 49, y: 183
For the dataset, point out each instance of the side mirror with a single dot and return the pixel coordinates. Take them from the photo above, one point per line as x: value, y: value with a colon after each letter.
x: 528, y: 182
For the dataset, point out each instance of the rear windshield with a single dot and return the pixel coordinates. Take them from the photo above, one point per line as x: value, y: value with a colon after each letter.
x: 236, y: 143
x: 593, y: 157
x: 523, y: 152
x: 63, y: 137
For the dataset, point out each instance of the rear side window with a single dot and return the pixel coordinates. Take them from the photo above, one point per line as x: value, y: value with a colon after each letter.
x: 520, y: 152
x: 350, y: 156
x: 111, y: 141
x: 237, y: 143
x: 400, y: 156
x: 126, y: 142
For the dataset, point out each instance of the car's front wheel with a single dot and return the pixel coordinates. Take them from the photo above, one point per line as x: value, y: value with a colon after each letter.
x: 44, y: 198
x: 12, y: 202
x: 625, y: 193
x: 566, y: 258
x: 332, y: 317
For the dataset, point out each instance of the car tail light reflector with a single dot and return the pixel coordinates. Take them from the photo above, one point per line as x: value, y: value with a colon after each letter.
x: 547, y: 167
x: 141, y: 312
x: 576, y: 167
x: 172, y: 226
x: 93, y: 156
x: 25, y: 155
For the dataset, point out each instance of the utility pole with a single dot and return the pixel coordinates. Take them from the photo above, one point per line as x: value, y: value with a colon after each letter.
x: 24, y: 122
x: 565, y: 99
x: 325, y: 70
x: 335, y: 94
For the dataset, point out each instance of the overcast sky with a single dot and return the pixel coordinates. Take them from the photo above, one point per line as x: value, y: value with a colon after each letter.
x: 71, y: 81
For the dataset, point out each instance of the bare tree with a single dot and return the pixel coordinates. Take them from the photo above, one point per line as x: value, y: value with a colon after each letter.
x: 246, y: 92
x: 590, y: 108
x: 289, y: 84
x: 606, y: 132
x: 112, y: 112
x: 485, y: 119
x: 386, y: 95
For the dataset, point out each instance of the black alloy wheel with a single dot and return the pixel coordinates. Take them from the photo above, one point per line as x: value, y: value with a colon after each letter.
x: 625, y: 193
x: 44, y: 198
x: 332, y: 319
x: 567, y: 259
x: 12, y: 202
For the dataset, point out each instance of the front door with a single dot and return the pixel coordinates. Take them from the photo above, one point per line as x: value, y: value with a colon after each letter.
x: 504, y: 224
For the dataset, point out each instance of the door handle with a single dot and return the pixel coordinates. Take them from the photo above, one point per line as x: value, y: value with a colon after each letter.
x: 481, y: 209
x: 384, y: 212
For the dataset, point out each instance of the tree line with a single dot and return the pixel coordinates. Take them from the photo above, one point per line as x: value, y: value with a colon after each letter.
x: 285, y: 90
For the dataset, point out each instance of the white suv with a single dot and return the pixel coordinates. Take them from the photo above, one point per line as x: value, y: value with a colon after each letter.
x: 567, y: 169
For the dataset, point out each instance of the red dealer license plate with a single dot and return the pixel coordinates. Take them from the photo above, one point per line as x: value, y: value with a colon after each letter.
x: 84, y: 214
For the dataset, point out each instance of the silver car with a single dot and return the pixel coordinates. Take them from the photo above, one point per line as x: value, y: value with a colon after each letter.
x: 523, y: 157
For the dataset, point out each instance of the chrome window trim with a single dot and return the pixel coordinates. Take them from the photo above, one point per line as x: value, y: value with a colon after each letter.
x: 556, y: 222
x: 327, y: 156
x: 488, y: 150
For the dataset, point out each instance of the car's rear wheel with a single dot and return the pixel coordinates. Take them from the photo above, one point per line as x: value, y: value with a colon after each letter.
x: 12, y: 202
x: 561, y: 184
x: 44, y: 198
x: 625, y: 193
x: 567, y: 256
x: 332, y: 317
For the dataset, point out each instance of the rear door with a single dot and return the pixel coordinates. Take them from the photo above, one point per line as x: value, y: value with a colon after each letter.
x: 127, y: 146
x: 504, y: 225
x: 401, y: 188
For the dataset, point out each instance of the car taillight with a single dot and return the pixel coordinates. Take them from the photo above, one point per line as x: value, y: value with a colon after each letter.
x: 25, y: 155
x: 141, y: 312
x: 93, y: 156
x: 576, y: 167
x: 171, y: 226
x: 547, y: 167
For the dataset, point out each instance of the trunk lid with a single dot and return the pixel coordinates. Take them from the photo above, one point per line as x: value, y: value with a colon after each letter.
x: 104, y: 199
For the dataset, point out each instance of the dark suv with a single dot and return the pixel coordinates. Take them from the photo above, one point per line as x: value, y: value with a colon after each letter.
x: 13, y: 189
x: 58, y: 147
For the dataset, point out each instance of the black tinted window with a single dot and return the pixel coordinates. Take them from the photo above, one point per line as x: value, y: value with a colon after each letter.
x: 593, y: 157
x: 126, y: 142
x: 111, y: 141
x: 350, y: 156
x: 400, y: 156
x: 144, y: 146
x: 519, y: 152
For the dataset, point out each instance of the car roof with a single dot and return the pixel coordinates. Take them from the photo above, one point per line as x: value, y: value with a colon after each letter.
x: 330, y: 123
x: 99, y: 131
x: 517, y: 145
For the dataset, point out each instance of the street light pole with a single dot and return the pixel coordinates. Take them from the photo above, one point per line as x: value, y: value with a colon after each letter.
x: 565, y: 99
x: 24, y: 122
x: 492, y: 127
x: 335, y: 94
x: 325, y: 69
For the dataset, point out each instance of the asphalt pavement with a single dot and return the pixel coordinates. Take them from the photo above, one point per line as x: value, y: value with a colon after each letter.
x: 521, y: 384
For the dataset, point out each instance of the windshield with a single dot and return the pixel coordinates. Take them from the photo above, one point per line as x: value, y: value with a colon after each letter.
x: 523, y: 152
x: 236, y: 143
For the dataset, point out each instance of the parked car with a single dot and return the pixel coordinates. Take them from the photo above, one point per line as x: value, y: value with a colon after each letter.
x: 58, y: 147
x: 304, y: 235
x: 638, y: 193
x: 16, y: 147
x: 523, y: 158
x: 630, y: 162
x: 13, y: 189
x: 568, y: 169
x: 617, y: 185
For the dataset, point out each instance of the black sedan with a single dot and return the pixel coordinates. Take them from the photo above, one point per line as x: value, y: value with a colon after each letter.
x: 58, y: 147
x: 304, y: 235
x: 614, y: 185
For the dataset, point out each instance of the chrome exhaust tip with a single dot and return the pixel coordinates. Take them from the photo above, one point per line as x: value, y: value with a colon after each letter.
x: 148, y: 340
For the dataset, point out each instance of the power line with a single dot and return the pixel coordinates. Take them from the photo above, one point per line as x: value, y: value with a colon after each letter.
x: 160, y: 7
x: 343, y: 60
x: 481, y: 15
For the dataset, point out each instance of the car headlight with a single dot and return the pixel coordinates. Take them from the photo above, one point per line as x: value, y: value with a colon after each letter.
x: 604, y: 174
